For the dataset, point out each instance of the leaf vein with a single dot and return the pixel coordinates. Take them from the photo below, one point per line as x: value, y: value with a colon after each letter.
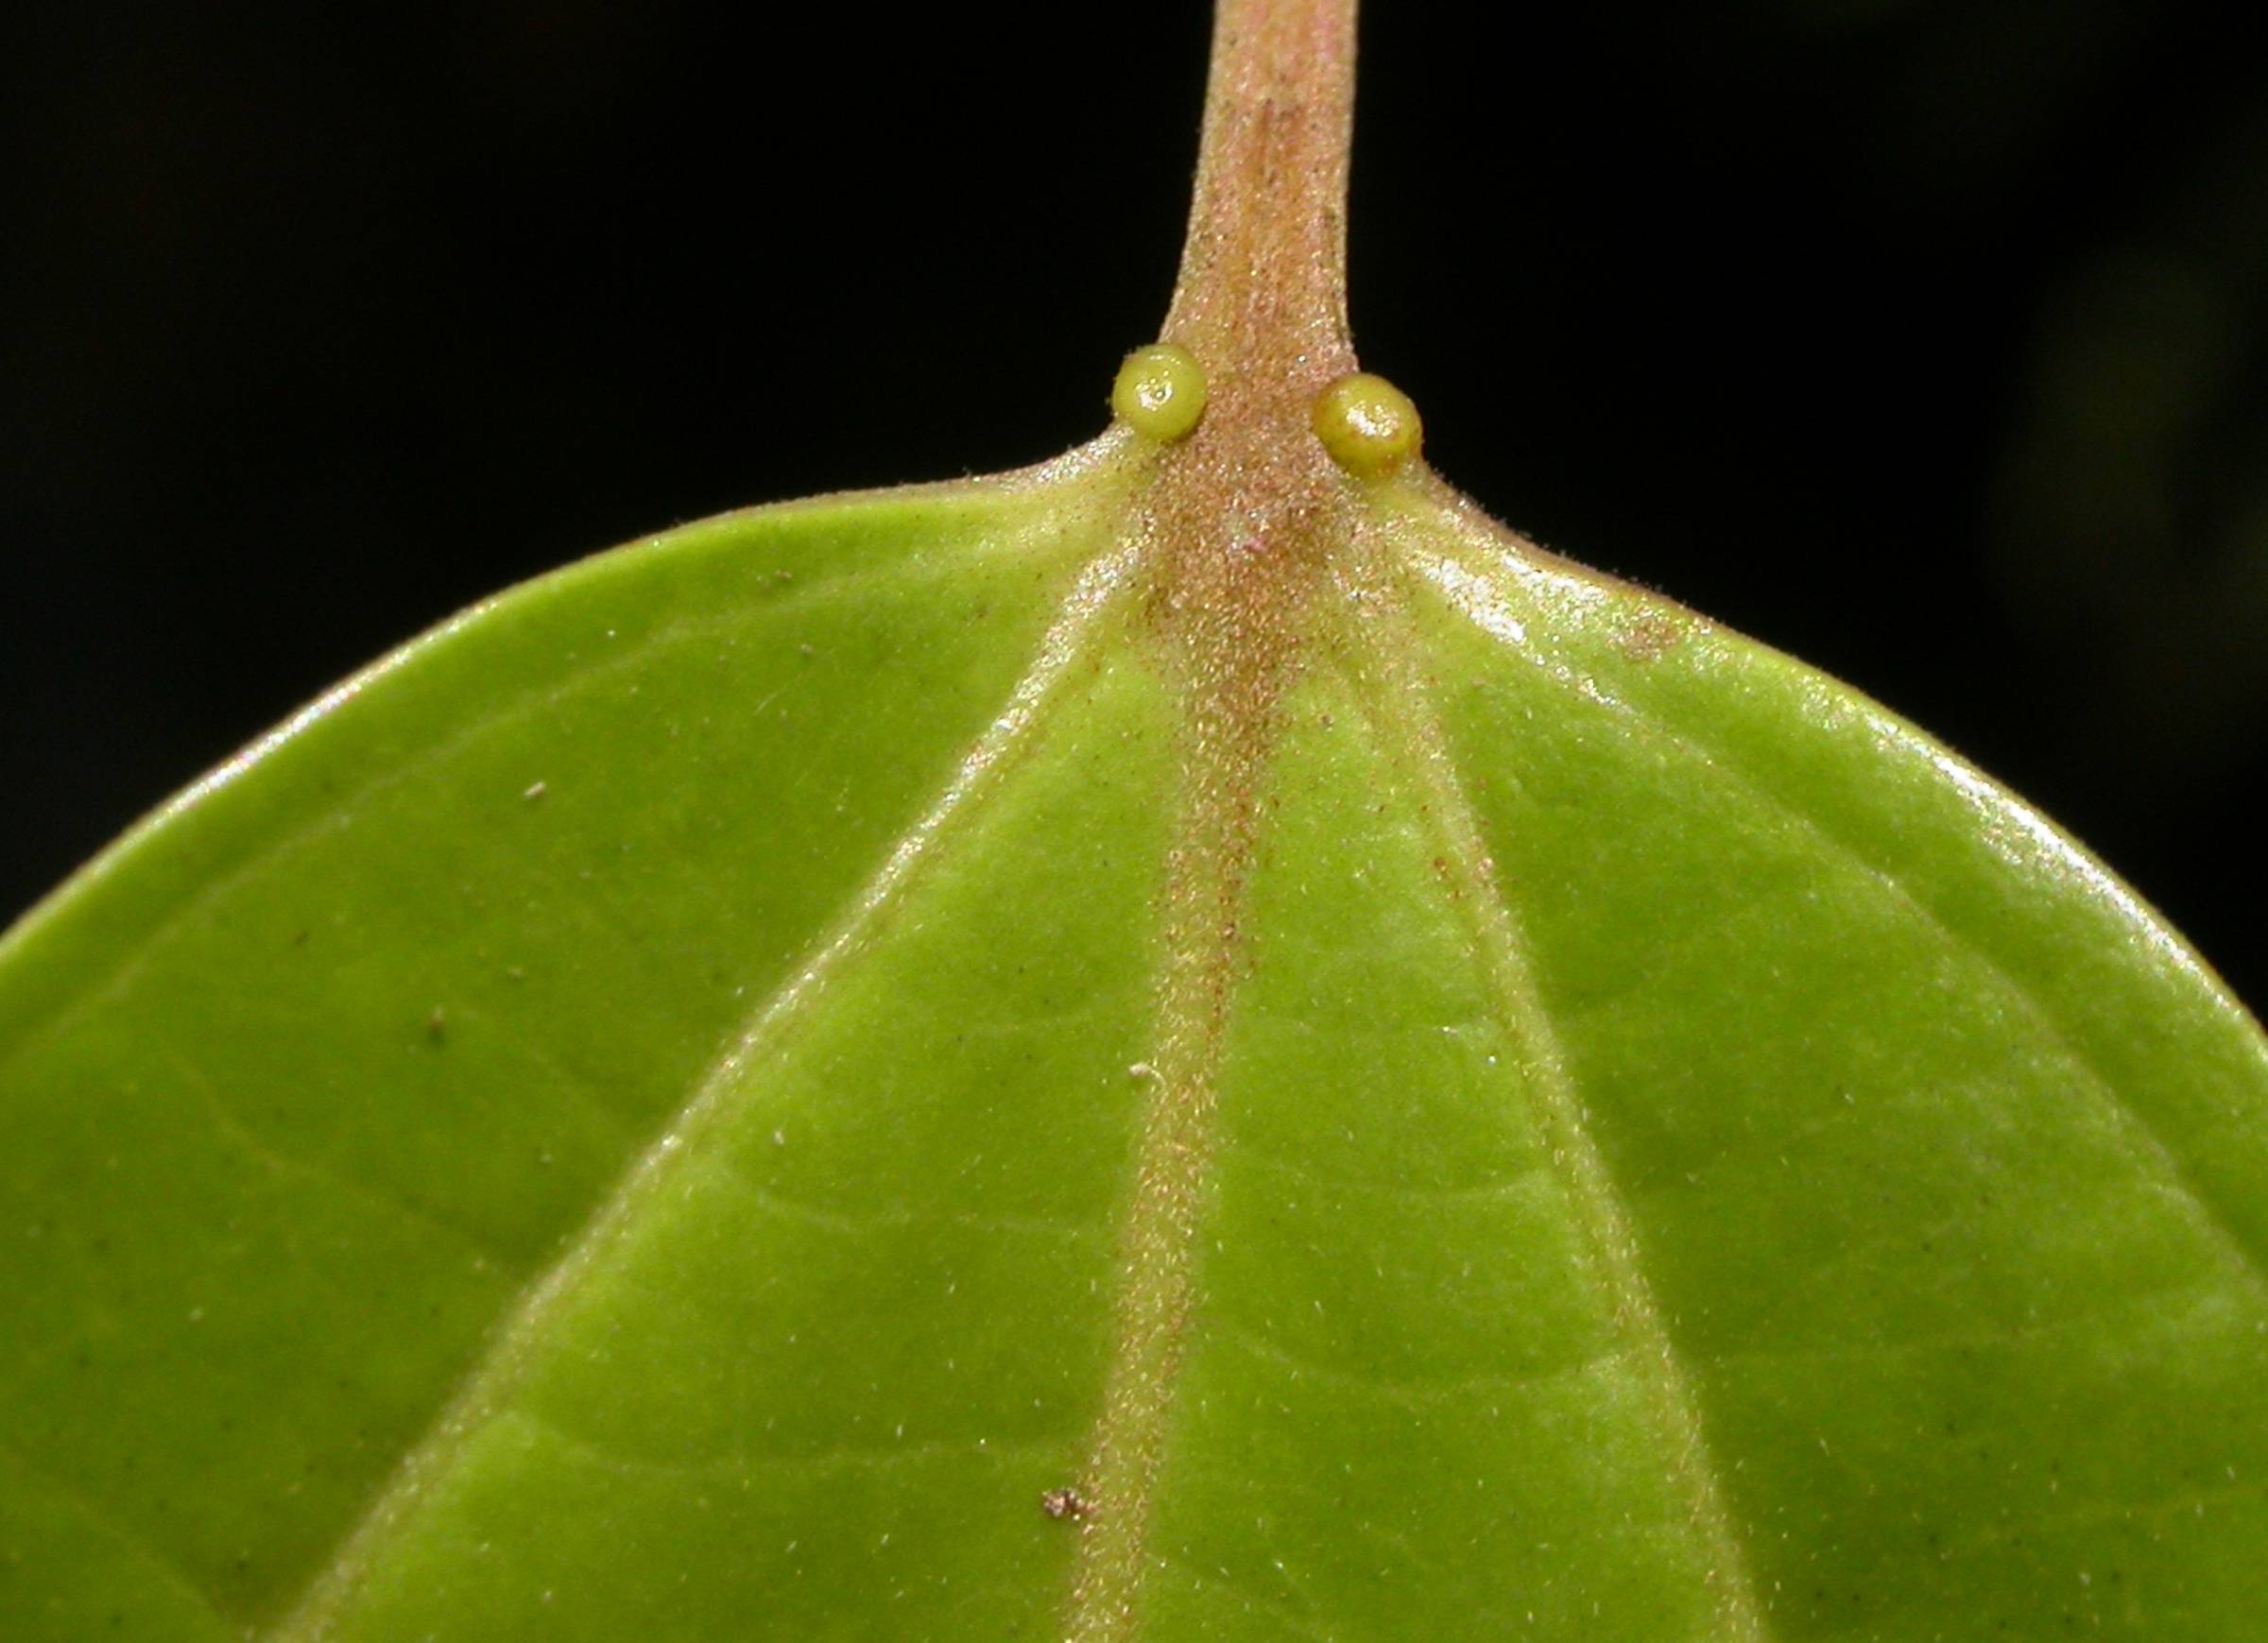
x: 1401, y: 716
x: 488, y: 1383
x: 2142, y: 1136
x: 144, y: 1549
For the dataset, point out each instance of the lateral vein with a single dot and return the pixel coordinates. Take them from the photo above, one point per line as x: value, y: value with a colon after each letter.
x: 2178, y: 1173
x: 1401, y: 716
x: 493, y: 1379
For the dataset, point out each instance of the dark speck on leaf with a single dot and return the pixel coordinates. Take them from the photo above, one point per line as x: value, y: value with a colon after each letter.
x: 1063, y: 1503
x: 1650, y: 639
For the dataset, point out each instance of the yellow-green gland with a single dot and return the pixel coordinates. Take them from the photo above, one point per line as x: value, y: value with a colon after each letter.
x: 1368, y: 424
x: 1159, y: 392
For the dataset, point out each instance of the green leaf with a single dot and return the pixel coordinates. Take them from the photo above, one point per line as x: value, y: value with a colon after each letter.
x: 691, y: 1100
x: 1194, y: 1043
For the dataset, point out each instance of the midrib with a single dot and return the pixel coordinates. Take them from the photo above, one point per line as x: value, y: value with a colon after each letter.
x: 1221, y: 809
x: 1173, y: 1173
x: 487, y: 1385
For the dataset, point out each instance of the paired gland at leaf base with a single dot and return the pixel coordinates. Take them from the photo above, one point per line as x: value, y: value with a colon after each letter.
x: 1366, y: 423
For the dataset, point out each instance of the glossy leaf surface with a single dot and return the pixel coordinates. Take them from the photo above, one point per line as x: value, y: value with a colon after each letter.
x: 760, y: 1087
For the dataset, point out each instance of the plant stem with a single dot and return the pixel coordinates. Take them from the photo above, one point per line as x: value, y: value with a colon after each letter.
x: 1262, y: 290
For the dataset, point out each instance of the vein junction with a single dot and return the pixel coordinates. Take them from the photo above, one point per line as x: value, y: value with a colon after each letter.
x: 1239, y: 645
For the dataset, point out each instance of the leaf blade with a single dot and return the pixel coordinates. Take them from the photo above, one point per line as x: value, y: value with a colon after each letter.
x: 1568, y: 926
x: 194, y: 1206
x: 1962, y: 1056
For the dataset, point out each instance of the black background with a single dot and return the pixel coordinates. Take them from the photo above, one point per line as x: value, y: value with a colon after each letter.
x: 1924, y: 340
